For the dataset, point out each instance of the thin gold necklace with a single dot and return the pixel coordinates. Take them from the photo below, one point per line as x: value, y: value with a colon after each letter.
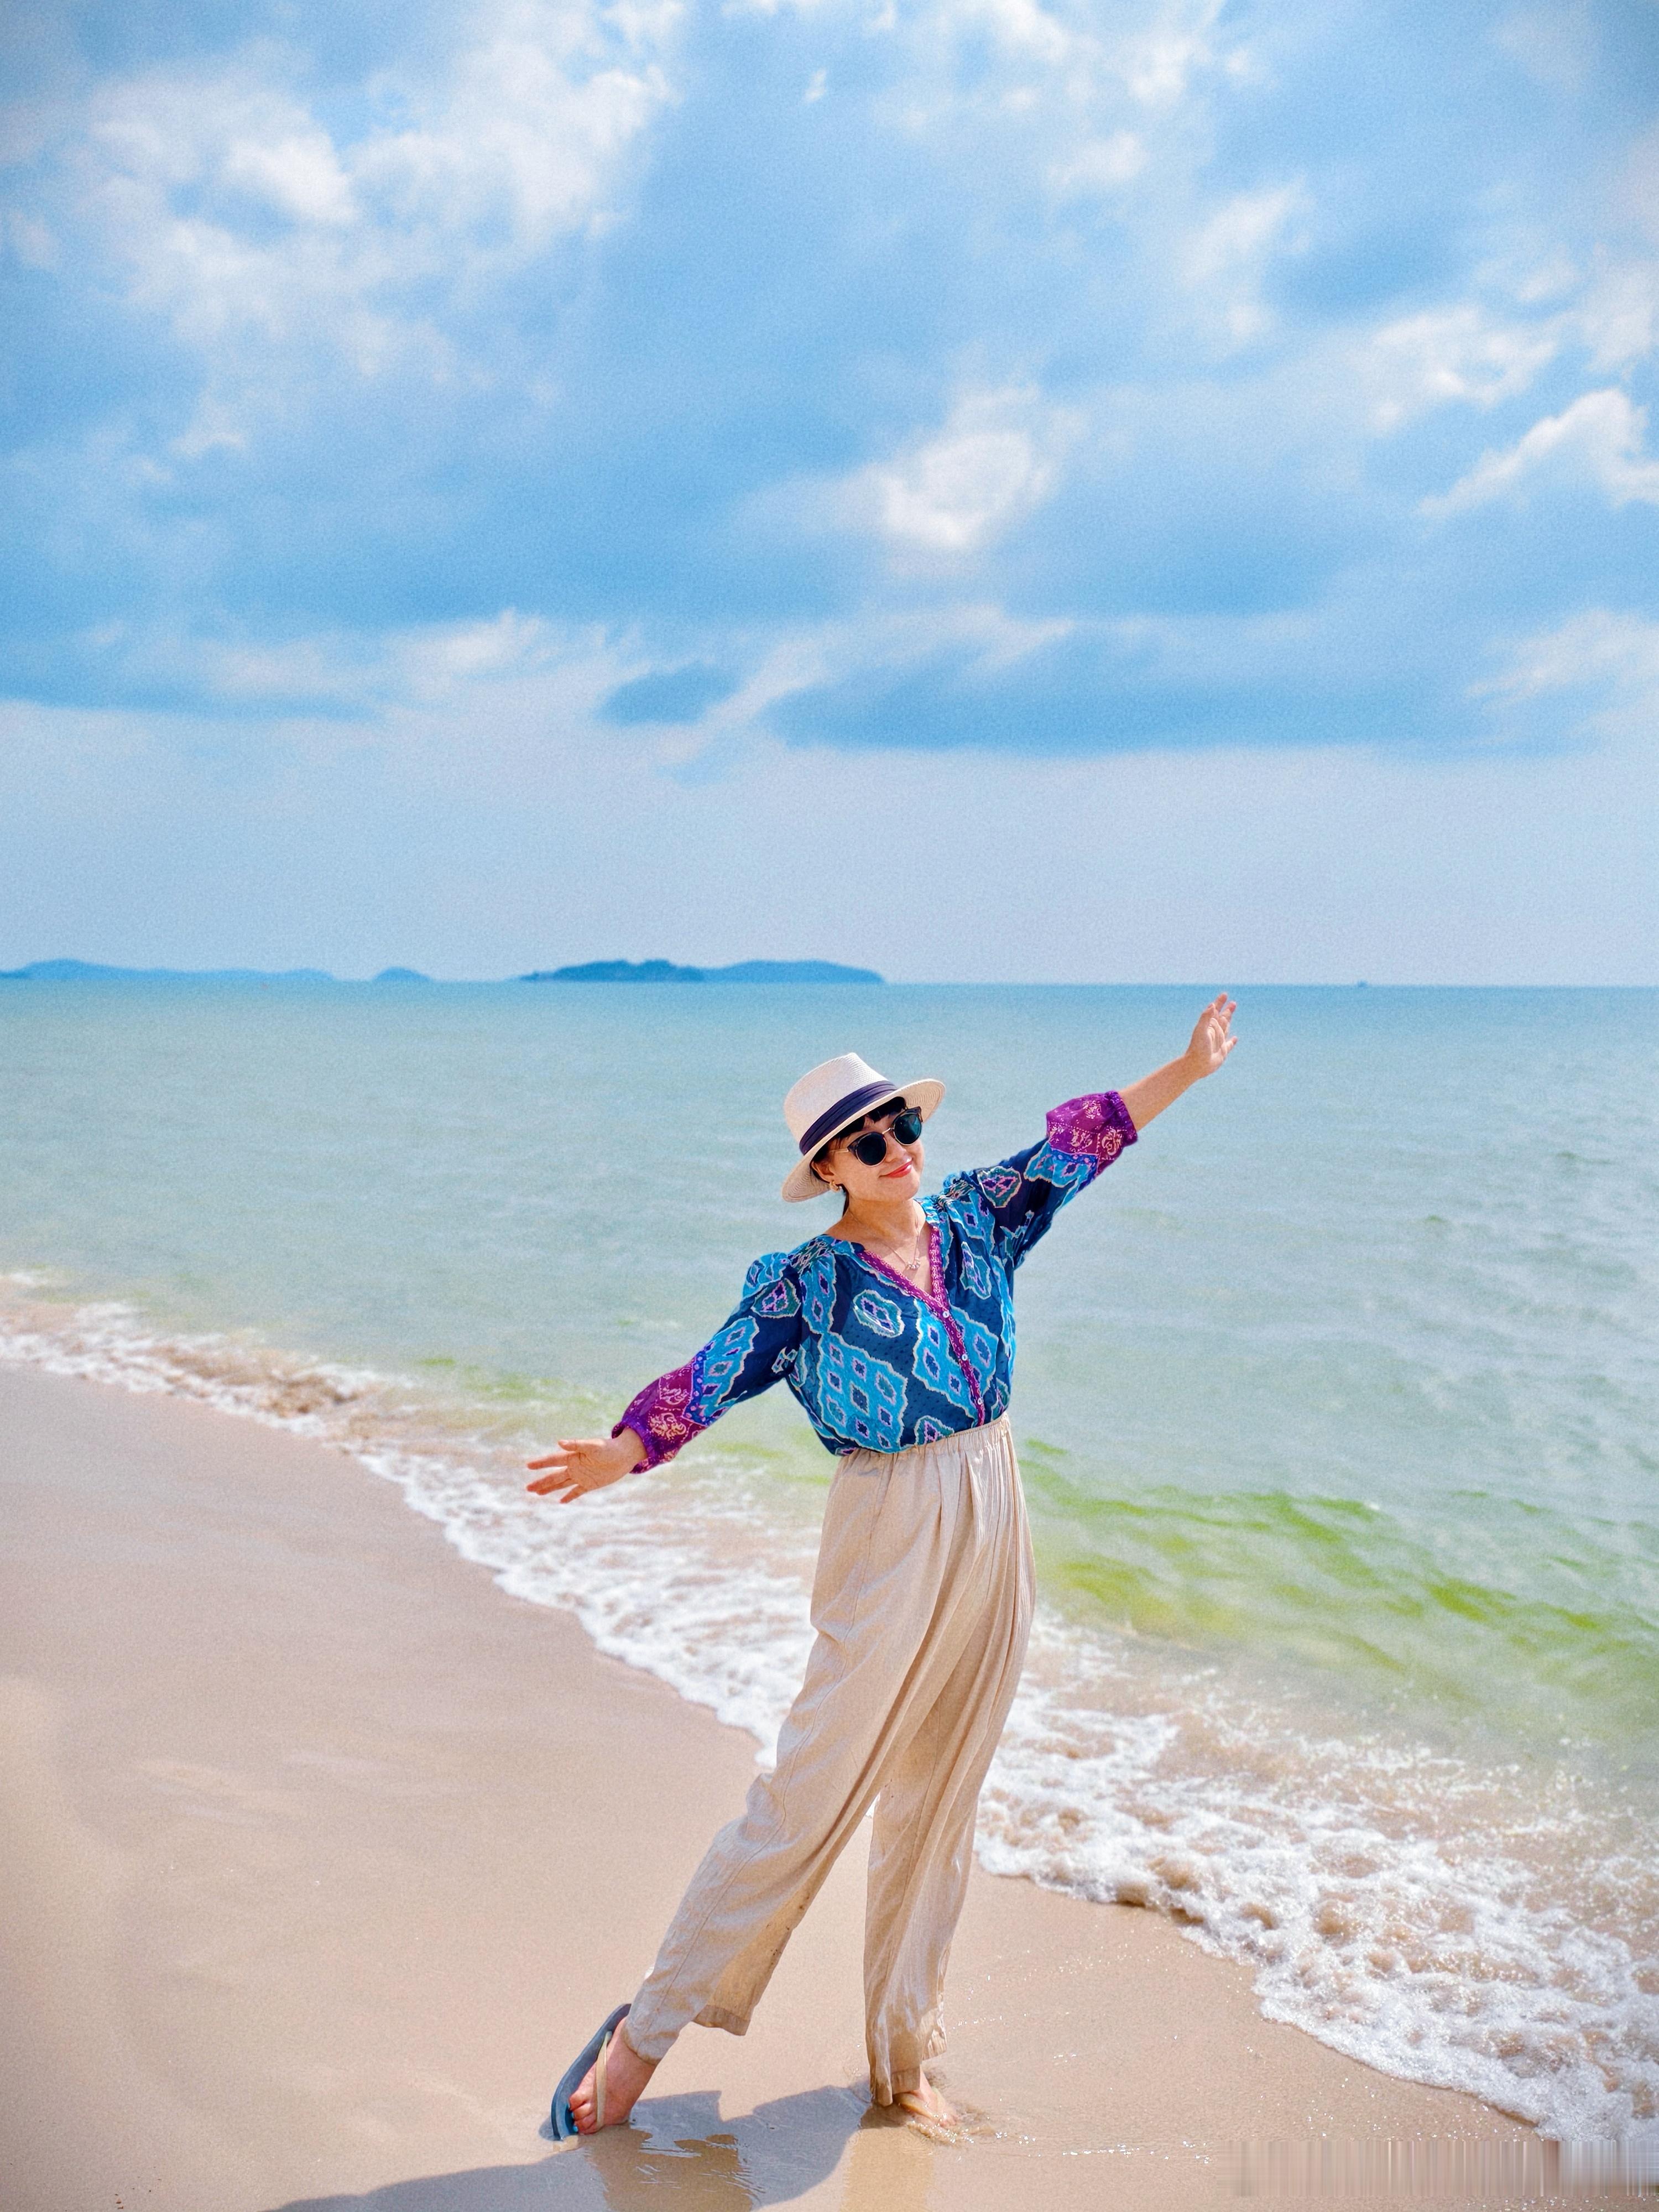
x: 910, y: 1267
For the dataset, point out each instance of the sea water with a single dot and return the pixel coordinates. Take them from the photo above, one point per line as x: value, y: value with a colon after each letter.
x: 1334, y: 1401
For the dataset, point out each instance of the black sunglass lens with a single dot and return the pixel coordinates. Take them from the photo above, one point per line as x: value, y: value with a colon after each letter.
x: 871, y: 1148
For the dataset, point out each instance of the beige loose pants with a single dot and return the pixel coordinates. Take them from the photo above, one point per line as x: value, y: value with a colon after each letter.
x: 922, y: 1605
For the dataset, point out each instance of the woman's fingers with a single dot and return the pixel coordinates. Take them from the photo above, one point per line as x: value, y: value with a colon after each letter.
x: 1212, y: 1039
x: 580, y: 1465
x: 576, y: 1468
x: 568, y: 1448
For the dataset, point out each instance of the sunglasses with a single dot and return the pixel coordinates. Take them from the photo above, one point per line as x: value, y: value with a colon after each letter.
x: 872, y: 1146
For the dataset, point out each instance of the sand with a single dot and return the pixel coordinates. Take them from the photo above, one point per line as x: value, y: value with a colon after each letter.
x: 323, y: 1856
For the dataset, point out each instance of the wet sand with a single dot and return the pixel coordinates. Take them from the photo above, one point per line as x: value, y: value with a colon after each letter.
x: 323, y: 1856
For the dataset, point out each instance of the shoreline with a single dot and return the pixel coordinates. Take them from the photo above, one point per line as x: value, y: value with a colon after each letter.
x: 330, y: 1853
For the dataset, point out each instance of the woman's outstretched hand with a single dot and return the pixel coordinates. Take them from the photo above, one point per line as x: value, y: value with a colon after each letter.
x: 1212, y: 1038
x: 579, y: 1464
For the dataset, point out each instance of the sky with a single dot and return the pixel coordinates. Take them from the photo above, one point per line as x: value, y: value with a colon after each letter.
x: 988, y: 490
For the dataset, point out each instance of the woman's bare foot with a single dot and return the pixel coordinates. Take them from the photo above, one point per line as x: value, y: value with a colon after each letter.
x: 927, y: 2104
x: 625, y: 2076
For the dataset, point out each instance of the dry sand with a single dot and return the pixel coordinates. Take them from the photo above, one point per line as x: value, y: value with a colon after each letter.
x: 323, y: 1856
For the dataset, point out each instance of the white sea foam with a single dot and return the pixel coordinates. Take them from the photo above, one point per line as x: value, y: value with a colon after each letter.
x: 1468, y: 1927
x: 1428, y: 1917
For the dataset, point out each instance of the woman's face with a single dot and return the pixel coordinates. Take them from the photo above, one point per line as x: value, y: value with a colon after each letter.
x: 896, y: 1174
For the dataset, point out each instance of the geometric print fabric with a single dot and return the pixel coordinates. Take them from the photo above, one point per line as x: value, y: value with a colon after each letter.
x: 872, y: 1362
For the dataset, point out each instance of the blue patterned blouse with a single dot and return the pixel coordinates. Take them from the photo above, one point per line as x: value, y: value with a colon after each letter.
x: 877, y: 1365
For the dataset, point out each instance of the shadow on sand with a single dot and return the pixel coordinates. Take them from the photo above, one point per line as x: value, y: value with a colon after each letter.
x: 678, y: 2157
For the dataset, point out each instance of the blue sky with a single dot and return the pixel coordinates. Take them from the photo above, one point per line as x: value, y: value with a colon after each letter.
x: 996, y: 489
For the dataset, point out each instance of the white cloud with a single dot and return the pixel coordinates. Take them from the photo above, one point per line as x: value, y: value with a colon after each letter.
x: 1597, y: 442
x: 520, y: 137
x: 1240, y: 231
x: 1451, y: 354
x: 1225, y: 257
x: 1158, y: 64
x: 1618, y: 317
x: 1153, y: 55
x: 1022, y: 27
x: 528, y: 127
x: 995, y: 462
x: 210, y: 430
x: 1556, y: 45
x: 299, y: 175
x: 31, y: 241
x: 1614, y: 655
x: 1083, y: 97
x: 368, y: 673
x: 1099, y: 165
x: 1467, y: 354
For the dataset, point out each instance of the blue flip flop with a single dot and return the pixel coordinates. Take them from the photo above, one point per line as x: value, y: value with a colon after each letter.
x: 594, y: 2053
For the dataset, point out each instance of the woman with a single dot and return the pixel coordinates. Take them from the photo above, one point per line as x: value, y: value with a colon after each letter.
x: 894, y: 1329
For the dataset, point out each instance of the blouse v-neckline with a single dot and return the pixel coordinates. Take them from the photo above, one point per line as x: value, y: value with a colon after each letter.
x: 933, y: 1294
x: 933, y: 1297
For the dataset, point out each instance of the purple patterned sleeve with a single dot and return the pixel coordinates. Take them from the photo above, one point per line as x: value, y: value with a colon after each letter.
x: 1022, y: 1194
x: 1096, y: 1127
x: 660, y: 1417
x: 746, y: 1355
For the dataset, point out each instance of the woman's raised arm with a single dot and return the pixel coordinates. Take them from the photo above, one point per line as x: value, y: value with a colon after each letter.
x: 1212, y: 1040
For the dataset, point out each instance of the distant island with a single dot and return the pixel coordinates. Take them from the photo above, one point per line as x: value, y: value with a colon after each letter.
x: 591, y: 971
x: 90, y: 971
x: 666, y: 971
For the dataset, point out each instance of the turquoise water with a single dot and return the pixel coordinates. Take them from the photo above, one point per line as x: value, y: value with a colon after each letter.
x: 1333, y: 1403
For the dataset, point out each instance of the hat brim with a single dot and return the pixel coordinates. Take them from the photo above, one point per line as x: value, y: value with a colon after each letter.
x: 801, y: 1184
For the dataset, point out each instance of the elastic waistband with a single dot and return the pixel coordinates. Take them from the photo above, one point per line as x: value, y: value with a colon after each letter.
x: 993, y: 1433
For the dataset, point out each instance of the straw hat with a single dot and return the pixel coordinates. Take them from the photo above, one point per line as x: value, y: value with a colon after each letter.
x: 831, y: 1099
